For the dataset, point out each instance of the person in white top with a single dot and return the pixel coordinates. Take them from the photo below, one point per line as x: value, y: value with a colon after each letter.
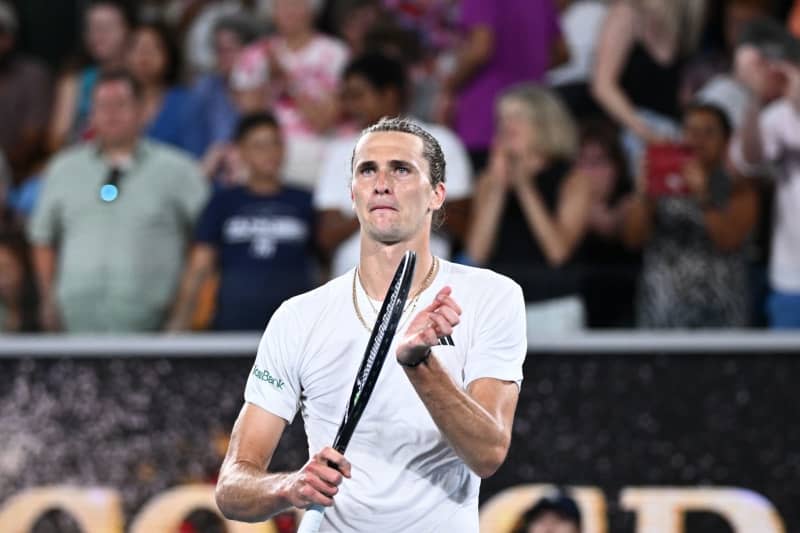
x: 295, y: 72
x: 440, y: 417
x: 375, y: 86
x: 770, y: 134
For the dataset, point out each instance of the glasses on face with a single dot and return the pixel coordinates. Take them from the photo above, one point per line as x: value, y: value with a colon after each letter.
x: 109, y: 191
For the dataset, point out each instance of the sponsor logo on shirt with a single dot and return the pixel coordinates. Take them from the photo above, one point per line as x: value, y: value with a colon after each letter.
x: 266, y: 377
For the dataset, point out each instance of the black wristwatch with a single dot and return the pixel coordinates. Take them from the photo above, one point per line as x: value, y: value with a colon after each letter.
x: 418, y: 361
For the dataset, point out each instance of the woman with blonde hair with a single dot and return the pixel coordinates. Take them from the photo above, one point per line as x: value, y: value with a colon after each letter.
x: 641, y: 52
x: 532, y: 208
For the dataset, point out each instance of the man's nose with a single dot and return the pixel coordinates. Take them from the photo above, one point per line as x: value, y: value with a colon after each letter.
x: 382, y: 184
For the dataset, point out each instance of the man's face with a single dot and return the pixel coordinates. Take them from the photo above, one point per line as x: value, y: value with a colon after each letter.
x: 147, y: 57
x: 292, y: 16
x: 738, y: 15
x: 391, y: 188
x: 704, y: 134
x: 552, y: 523
x: 115, y: 112
x: 227, y: 46
x: 363, y: 102
x: 262, y: 151
x: 106, y: 32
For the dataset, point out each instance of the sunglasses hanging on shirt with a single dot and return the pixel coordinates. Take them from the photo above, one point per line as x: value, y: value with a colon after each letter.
x: 109, y: 191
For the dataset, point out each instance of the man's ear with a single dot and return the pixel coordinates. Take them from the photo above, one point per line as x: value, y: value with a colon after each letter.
x: 439, y: 195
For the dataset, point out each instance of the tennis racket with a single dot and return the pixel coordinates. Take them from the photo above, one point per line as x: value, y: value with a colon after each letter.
x: 378, y: 346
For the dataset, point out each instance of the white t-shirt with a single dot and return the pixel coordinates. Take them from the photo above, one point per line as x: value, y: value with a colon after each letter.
x: 780, y: 137
x: 405, y: 476
x: 581, y: 24
x: 333, y: 189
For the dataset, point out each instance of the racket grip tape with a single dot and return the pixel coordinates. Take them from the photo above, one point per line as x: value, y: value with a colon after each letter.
x: 312, y: 519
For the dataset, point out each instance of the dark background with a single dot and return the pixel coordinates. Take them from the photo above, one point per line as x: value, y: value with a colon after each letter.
x: 612, y: 421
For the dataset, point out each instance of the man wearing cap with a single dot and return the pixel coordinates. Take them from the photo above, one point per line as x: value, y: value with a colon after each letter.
x: 111, y: 227
x: 25, y: 93
x: 768, y: 141
x: 553, y: 513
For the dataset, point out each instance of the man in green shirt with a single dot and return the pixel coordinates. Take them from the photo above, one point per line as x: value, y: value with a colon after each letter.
x: 111, y: 227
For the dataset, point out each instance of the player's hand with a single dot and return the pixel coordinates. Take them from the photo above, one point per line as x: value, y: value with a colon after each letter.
x: 436, y: 320
x: 318, y: 481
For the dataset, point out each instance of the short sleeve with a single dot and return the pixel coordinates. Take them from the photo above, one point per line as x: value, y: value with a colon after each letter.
x: 43, y: 226
x: 192, y: 191
x: 251, y: 69
x: 209, y: 225
x: 477, y: 13
x: 331, y: 191
x: 274, y: 380
x: 769, y: 123
x: 500, y: 340
x: 458, y: 169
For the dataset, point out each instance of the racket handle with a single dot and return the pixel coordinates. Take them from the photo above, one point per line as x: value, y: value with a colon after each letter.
x: 312, y: 519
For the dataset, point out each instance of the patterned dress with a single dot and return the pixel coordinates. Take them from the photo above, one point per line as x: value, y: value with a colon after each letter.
x: 686, y: 282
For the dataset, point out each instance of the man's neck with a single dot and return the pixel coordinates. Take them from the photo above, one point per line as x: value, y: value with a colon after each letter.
x: 263, y: 185
x: 297, y: 40
x: 379, y: 262
x: 120, y: 152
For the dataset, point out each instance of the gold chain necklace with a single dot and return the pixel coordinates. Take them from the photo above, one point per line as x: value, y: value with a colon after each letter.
x: 412, y: 304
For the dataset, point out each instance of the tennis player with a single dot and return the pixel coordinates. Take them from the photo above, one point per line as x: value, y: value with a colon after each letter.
x: 440, y: 416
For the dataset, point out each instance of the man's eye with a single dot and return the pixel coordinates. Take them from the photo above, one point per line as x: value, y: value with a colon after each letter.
x: 403, y: 171
x: 368, y: 171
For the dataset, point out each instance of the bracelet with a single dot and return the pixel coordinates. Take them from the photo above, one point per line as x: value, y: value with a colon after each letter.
x: 418, y: 361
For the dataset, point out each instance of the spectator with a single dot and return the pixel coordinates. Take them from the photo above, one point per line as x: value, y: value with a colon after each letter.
x: 534, y: 208
x: 643, y: 47
x: 505, y: 42
x: 107, y: 27
x: 770, y: 133
x: 354, y: 20
x: 24, y: 100
x: 212, y: 113
x: 581, y: 21
x: 555, y: 513
x: 111, y: 225
x: 17, y: 290
x: 723, y: 89
x: 694, y: 272
x: 610, y: 269
x: 258, y: 236
x: 298, y: 69
x: 376, y: 86
x: 153, y: 59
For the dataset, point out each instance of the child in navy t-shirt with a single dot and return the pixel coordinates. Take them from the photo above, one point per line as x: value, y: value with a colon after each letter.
x: 257, y: 236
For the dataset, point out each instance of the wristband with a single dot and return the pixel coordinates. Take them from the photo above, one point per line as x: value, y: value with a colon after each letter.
x: 418, y: 361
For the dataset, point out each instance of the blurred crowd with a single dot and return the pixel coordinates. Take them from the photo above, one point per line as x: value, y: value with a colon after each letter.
x: 184, y: 164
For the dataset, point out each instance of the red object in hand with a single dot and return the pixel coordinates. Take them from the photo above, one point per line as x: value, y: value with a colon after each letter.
x: 665, y: 163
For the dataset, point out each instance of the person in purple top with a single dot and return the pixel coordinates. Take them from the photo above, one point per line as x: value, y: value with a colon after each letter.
x: 506, y: 42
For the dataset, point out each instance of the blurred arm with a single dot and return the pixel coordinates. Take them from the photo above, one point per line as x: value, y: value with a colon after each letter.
x: 558, y: 235
x: 473, y: 54
x: 489, y: 202
x: 201, y: 265
x: 617, y: 37
x: 728, y: 227
x: 638, y: 221
x: 64, y: 110
x: 333, y: 229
